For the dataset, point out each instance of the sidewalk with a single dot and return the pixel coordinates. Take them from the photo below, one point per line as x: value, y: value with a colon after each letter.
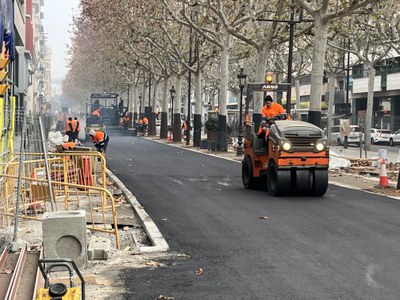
x: 354, y: 152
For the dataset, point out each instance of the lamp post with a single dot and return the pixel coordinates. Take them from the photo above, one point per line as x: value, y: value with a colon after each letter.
x: 193, y: 17
x: 140, y: 105
x: 172, y: 92
x: 189, y: 88
x: 242, y: 81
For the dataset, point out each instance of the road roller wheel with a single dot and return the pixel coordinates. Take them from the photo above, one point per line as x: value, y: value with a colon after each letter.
x: 318, y: 182
x: 278, y: 181
x: 247, y: 173
x: 302, y: 182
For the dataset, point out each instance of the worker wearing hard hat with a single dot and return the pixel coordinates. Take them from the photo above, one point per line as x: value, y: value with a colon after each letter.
x: 100, y: 140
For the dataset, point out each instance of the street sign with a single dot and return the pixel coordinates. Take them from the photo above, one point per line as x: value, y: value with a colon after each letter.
x: 268, y: 87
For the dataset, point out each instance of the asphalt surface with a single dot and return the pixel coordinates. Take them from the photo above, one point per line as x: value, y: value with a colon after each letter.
x: 249, y: 245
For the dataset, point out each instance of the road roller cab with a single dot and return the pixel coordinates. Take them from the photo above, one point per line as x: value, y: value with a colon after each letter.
x: 292, y: 160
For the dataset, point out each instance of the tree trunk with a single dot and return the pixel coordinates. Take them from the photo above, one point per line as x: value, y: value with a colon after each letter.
x: 332, y: 78
x: 222, y: 128
x: 164, y: 110
x: 177, y: 132
x: 164, y: 126
x: 317, y: 73
x: 197, y: 130
x: 197, y: 109
x: 370, y: 102
x: 258, y: 97
x: 177, y: 135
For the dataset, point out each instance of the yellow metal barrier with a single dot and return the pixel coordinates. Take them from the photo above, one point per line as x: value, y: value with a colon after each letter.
x: 78, y: 181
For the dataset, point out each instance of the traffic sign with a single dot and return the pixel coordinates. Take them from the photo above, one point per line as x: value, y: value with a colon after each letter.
x: 104, y: 95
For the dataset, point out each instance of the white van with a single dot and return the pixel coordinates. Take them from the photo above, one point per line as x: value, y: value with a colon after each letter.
x: 353, y: 138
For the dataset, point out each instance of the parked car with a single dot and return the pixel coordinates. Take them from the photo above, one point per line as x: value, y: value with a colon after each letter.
x: 353, y: 138
x: 381, y: 136
x: 395, y: 139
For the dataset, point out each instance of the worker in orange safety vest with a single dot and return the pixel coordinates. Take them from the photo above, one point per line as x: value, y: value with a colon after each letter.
x: 100, y: 140
x: 185, y: 128
x: 125, y: 121
x: 75, y: 128
x: 145, y: 124
x: 271, y: 109
x: 68, y: 129
x: 96, y: 113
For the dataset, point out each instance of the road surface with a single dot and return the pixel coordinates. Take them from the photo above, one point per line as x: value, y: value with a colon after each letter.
x: 249, y: 245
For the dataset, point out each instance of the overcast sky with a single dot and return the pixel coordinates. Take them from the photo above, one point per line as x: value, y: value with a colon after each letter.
x: 57, y: 24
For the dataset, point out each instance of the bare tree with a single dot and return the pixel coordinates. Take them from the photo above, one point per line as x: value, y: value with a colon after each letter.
x: 323, y: 13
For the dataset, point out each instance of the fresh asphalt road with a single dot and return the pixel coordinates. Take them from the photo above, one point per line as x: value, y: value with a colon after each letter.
x: 345, y: 245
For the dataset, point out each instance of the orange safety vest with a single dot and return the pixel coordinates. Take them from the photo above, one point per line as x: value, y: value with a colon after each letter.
x: 145, y: 121
x: 96, y: 112
x: 99, y: 136
x: 273, y: 110
x: 68, y: 125
x: 74, y: 125
x: 185, y: 126
x: 141, y: 122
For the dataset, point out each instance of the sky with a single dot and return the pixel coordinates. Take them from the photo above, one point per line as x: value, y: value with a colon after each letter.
x: 57, y: 24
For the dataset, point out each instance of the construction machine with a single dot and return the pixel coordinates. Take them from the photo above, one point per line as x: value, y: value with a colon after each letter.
x: 103, y: 111
x: 292, y: 160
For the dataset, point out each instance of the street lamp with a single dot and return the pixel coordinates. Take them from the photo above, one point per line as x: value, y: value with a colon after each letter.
x: 242, y: 81
x: 140, y: 105
x: 172, y: 92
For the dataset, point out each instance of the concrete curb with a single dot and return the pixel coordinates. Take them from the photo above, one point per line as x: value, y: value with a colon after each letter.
x: 152, y: 231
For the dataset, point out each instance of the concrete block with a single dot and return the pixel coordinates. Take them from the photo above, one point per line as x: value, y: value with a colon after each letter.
x: 16, y: 246
x: 64, y: 236
x: 99, y: 248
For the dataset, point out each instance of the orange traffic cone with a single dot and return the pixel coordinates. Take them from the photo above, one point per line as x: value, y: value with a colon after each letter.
x: 383, y: 179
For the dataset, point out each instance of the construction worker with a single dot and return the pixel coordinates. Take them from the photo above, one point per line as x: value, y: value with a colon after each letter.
x: 78, y: 130
x: 68, y: 129
x: 125, y: 121
x: 100, y: 140
x: 145, y: 125
x: 263, y: 130
x: 75, y: 129
x: 185, y: 128
x: 141, y: 125
x: 271, y: 109
x: 96, y: 114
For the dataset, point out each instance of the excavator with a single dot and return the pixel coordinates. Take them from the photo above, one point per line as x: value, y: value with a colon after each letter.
x: 292, y: 160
